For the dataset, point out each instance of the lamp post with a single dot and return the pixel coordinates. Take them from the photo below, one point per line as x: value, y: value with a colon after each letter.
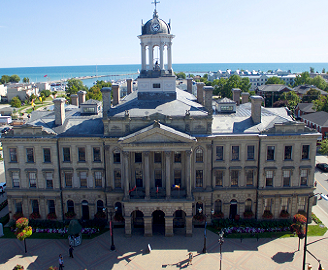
x: 111, y: 213
x: 306, y: 225
x: 221, y: 241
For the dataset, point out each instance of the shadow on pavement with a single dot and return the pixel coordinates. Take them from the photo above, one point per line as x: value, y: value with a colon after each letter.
x: 282, y: 257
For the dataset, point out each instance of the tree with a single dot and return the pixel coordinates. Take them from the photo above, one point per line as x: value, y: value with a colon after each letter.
x: 324, y: 147
x: 14, y: 78
x: 16, y: 102
x: 311, y: 95
x: 180, y: 75
x: 45, y: 93
x: 311, y: 69
x: 321, y: 104
x: 23, y: 230
x: 245, y: 85
x: 26, y: 80
x: 323, y: 70
x: 292, y: 99
x: 75, y: 85
x: 319, y: 82
x: 298, y: 225
x: 94, y: 91
x: 5, y: 79
x: 303, y: 78
x: 205, y: 76
x: 275, y: 80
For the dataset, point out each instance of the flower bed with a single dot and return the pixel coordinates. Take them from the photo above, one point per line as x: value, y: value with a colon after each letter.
x: 64, y: 230
x: 231, y: 230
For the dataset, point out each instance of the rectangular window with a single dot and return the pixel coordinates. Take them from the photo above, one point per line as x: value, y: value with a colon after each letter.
x: 49, y: 182
x: 199, y: 178
x: 66, y: 154
x: 288, y: 152
x: 235, y: 152
x: 157, y: 157
x: 284, y: 204
x: 249, y: 178
x: 156, y: 85
x: 270, y: 153
x: 29, y: 155
x: 139, y: 182
x: 158, y: 178
x: 234, y: 178
x: 219, y: 153
x: 83, y: 179
x: 98, y: 179
x: 15, y: 177
x: 301, y: 204
x: 96, y: 154
x: 46, y: 155
x: 32, y: 179
x: 117, y: 157
x: 286, y: 181
x: 51, y: 206
x: 269, y: 178
x: 13, y: 154
x: 68, y: 179
x: 35, y: 206
x: 137, y: 157
x: 250, y: 152
x: 199, y: 155
x: 267, y: 204
x: 19, y: 208
x: 81, y: 151
x: 117, y: 178
x: 304, y: 177
x: 177, y: 178
x: 218, y: 178
x: 177, y: 157
x: 305, y: 151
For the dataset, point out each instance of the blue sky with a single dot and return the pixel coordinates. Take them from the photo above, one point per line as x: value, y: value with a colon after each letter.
x: 104, y: 32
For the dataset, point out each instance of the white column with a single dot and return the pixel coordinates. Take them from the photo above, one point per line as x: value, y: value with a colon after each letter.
x: 161, y: 55
x: 147, y: 179
x: 169, y: 56
x: 188, y: 174
x: 168, y: 174
x: 143, y: 56
x: 126, y: 174
x: 151, y: 62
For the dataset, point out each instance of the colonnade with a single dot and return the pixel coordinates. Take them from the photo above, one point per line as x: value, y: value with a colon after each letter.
x: 151, y: 46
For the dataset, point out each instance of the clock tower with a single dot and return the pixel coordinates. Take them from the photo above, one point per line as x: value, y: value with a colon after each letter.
x: 156, y: 75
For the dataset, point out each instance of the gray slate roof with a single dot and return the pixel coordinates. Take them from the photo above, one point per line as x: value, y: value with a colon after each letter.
x: 302, y: 89
x: 274, y: 88
x: 318, y: 118
x: 306, y: 107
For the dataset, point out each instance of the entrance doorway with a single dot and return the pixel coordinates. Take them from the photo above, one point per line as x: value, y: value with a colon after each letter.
x: 233, y: 209
x: 85, y: 210
x: 137, y: 220
x: 158, y: 222
x: 179, y: 222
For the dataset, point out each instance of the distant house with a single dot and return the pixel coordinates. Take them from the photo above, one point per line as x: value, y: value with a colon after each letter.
x: 22, y: 90
x: 6, y: 111
x: 304, y: 108
x: 3, y: 91
x: 302, y: 89
x: 272, y: 92
x: 318, y: 121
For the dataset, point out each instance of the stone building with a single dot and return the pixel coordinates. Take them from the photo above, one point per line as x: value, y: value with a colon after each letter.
x: 160, y: 155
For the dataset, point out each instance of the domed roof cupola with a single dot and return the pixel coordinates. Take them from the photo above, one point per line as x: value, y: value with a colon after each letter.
x: 156, y: 26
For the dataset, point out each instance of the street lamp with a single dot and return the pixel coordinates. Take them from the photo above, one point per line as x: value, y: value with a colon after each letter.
x: 306, y: 225
x: 111, y: 213
x: 221, y: 241
x: 205, y: 236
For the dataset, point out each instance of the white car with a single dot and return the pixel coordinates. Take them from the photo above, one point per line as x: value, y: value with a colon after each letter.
x: 2, y: 186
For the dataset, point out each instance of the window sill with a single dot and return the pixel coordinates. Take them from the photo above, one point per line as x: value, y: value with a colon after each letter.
x: 235, y: 160
x: 97, y: 161
x: 219, y: 160
x: 13, y: 162
x: 47, y: 162
x: 81, y: 161
x: 67, y: 161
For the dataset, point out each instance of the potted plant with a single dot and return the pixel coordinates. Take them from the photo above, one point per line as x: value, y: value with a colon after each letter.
x: 18, y: 267
x: 70, y: 215
x: 248, y: 214
x: 51, y: 216
x: 267, y: 214
x: 18, y: 215
x: 100, y: 215
x: 284, y: 214
x: 218, y: 215
x: 35, y: 215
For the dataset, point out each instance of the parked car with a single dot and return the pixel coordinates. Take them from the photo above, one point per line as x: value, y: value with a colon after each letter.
x: 6, y: 129
x: 322, y: 166
x: 2, y: 186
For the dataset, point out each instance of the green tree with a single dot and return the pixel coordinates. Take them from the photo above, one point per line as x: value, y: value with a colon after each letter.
x: 275, y: 80
x: 321, y: 104
x: 233, y: 82
x: 319, y: 82
x: 311, y: 69
x: 191, y: 75
x: 205, y: 76
x: 311, y: 95
x: 5, y: 79
x: 180, y: 75
x: 45, y: 93
x: 323, y: 70
x: 16, y: 102
x: 292, y: 99
x: 303, y: 78
x: 94, y: 91
x: 75, y: 85
x: 26, y: 80
x: 14, y: 78
x: 245, y: 85
x: 32, y: 97
x: 324, y: 147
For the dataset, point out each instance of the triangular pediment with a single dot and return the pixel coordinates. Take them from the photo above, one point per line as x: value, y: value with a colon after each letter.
x: 157, y: 134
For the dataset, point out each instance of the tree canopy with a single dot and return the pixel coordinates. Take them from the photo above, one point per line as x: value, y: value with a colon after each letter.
x: 180, y: 75
x: 75, y: 85
x: 275, y: 80
x: 26, y: 80
x: 321, y: 104
x: 324, y: 147
x: 224, y: 86
x: 14, y: 78
x: 16, y: 102
x: 94, y: 91
x: 311, y: 95
x: 5, y: 79
x: 292, y: 99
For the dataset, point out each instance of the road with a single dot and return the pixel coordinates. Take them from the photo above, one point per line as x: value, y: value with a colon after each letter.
x: 322, y: 182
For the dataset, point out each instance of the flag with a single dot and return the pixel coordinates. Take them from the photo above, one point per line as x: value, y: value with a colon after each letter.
x: 176, y: 186
x: 45, y: 75
x: 157, y: 189
x: 133, y: 189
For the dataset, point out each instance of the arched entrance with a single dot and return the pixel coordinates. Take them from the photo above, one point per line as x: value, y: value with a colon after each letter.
x: 233, y: 209
x: 137, y: 222
x: 179, y: 222
x: 85, y: 210
x: 158, y: 222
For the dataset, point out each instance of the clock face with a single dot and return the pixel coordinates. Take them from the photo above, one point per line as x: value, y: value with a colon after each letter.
x: 155, y: 27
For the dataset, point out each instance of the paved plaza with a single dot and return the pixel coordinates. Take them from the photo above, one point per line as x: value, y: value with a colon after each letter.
x: 167, y: 253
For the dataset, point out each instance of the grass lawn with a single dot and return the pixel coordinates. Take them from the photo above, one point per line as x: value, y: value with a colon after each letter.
x: 9, y: 234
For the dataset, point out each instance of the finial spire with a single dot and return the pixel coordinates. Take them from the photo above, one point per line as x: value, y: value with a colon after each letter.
x: 155, y: 11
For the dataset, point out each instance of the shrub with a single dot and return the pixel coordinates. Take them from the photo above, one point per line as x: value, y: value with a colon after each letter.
x: 267, y: 214
x: 199, y: 217
x: 248, y: 214
x: 51, y: 216
x: 18, y: 267
x: 218, y: 215
x: 35, y: 216
x: 100, y: 215
x: 70, y: 215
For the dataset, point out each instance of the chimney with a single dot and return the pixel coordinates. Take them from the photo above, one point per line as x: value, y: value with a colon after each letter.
x: 106, y: 96
x: 189, y: 85
x: 208, y: 93
x: 256, y: 108
x: 116, y: 93
x: 236, y: 95
x: 81, y: 95
x: 59, y: 111
x: 200, y: 94
x: 244, y: 97
x: 129, y: 86
x: 75, y: 100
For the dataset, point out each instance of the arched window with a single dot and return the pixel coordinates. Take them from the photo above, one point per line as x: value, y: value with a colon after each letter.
x: 199, y: 208
x: 70, y: 206
x: 248, y: 205
x: 100, y: 206
x: 199, y: 155
x: 218, y: 206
